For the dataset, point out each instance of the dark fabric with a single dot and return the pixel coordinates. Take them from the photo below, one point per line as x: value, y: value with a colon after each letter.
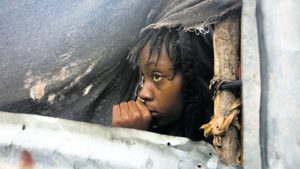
x: 190, y: 15
x: 197, y: 70
x: 184, y: 15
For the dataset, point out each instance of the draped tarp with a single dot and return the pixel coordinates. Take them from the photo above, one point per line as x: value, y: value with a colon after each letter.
x: 68, y: 58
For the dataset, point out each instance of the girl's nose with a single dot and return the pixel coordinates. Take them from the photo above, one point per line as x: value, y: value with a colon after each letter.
x: 146, y: 92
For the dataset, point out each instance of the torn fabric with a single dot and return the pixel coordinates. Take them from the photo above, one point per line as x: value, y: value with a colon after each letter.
x: 219, y: 125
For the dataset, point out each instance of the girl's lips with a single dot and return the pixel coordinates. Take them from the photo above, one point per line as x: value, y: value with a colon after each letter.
x: 154, y: 113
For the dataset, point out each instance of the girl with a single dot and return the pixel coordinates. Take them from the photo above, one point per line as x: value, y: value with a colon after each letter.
x: 174, y: 96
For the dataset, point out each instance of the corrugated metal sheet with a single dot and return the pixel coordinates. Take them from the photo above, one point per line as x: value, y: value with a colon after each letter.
x: 36, y: 142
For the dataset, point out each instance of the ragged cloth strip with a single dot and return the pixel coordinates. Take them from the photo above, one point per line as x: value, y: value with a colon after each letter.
x: 189, y: 16
x: 219, y: 125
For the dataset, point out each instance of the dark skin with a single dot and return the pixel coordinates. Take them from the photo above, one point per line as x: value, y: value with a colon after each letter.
x: 160, y: 96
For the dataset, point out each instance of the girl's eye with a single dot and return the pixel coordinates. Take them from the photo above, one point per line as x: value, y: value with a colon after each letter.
x: 156, y: 77
x: 142, y: 81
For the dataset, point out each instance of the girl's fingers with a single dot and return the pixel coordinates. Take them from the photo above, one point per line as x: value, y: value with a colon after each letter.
x: 125, y: 113
x: 131, y: 115
x: 146, y: 115
x: 116, y: 116
x: 135, y: 111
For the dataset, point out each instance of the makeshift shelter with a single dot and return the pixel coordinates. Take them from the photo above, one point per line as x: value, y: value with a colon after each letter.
x: 68, y: 60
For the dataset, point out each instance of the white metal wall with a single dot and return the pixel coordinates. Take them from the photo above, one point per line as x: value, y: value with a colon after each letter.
x: 276, y: 121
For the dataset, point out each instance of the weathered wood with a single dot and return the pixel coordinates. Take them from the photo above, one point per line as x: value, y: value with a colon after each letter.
x: 226, y: 51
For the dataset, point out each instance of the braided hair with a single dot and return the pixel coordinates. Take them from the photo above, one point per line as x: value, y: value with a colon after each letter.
x: 156, y: 38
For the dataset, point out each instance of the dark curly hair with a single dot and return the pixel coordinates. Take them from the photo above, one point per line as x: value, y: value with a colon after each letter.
x: 192, y: 55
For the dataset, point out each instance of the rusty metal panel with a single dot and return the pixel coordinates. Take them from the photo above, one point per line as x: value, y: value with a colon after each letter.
x: 37, y: 142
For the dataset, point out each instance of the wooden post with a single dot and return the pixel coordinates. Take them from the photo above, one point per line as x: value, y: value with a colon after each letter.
x: 226, y: 41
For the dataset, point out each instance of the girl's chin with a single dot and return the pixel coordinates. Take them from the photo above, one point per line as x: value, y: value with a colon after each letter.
x: 163, y: 123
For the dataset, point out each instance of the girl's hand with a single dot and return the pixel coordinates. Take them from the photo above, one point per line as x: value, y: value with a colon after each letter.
x: 132, y: 114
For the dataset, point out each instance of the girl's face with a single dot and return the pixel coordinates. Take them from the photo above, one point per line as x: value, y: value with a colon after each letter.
x: 161, y: 90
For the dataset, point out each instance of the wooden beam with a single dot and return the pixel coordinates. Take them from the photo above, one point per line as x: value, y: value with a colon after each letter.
x: 224, y: 125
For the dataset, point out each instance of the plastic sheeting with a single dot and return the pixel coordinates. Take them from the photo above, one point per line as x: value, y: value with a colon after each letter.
x: 67, y: 58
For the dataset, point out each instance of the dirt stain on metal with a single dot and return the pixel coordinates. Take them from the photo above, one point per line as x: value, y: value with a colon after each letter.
x: 26, y: 161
